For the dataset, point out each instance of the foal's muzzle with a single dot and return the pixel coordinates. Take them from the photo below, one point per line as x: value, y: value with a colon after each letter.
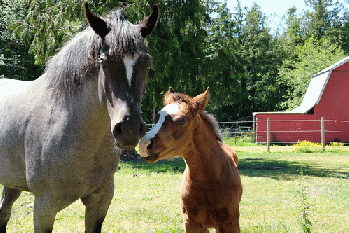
x: 145, y: 149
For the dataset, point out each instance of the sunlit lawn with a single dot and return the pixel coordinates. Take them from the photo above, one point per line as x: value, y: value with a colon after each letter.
x: 284, y: 191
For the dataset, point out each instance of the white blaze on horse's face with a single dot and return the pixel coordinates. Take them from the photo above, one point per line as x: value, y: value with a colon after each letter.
x: 129, y: 62
x: 168, y: 110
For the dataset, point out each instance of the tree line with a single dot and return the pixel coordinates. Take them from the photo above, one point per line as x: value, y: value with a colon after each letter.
x: 248, y: 65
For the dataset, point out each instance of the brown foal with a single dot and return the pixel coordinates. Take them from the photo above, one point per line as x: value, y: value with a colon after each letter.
x: 211, y: 187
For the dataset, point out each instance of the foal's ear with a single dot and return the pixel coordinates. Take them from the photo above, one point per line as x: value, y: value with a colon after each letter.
x: 168, y: 96
x: 98, y: 24
x: 170, y: 90
x: 149, y: 23
x: 199, y: 102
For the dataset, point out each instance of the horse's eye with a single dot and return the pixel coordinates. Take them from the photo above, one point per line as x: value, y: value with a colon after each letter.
x: 104, y: 53
x: 103, y: 57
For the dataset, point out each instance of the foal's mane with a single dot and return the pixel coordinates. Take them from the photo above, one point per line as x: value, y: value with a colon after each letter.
x: 213, y: 123
x: 78, y: 60
x: 208, y: 118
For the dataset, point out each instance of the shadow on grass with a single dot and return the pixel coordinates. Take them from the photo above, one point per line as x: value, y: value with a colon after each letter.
x: 284, y: 170
x: 252, y: 167
x: 173, y: 165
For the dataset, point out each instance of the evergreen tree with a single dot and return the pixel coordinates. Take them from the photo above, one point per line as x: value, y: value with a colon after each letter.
x: 15, y: 62
x: 221, y: 65
x: 261, y: 56
x: 197, y: 43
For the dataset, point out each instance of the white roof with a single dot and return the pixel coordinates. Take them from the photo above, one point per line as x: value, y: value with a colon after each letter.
x: 314, y: 92
x: 316, y: 87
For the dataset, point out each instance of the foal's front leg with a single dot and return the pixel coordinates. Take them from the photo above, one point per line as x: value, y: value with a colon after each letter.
x: 97, y: 205
x: 191, y: 226
x: 230, y: 228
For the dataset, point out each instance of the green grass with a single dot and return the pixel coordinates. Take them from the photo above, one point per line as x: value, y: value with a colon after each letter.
x: 284, y: 191
x: 245, y: 140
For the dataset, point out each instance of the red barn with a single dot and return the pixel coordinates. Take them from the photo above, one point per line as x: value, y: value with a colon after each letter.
x: 327, y: 96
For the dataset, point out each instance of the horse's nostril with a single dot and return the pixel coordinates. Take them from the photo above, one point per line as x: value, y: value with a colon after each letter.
x: 150, y: 146
x: 117, y: 130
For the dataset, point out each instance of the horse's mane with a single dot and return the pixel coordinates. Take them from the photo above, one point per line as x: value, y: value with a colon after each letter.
x: 78, y: 60
x: 125, y: 37
x: 69, y: 68
x: 213, y: 123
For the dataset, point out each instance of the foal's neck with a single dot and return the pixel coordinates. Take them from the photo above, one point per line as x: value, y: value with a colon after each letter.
x: 205, y: 158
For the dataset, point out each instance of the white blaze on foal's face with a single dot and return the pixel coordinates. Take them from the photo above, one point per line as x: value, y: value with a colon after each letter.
x: 168, y: 110
x: 129, y: 62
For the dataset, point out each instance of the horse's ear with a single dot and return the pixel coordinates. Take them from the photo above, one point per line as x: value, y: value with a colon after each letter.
x: 149, y: 23
x: 98, y: 24
x: 199, y: 102
x: 168, y: 96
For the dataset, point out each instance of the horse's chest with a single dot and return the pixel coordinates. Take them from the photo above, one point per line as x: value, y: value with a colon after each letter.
x: 73, y: 170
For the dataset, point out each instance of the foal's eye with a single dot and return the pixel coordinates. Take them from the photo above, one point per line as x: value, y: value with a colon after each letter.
x: 181, y: 122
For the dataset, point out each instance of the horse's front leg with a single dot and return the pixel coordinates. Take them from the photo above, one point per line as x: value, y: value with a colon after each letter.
x: 97, y: 205
x: 46, y: 206
x: 9, y: 196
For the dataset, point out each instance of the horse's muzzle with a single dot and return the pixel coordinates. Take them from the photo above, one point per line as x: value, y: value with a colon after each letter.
x: 128, y: 134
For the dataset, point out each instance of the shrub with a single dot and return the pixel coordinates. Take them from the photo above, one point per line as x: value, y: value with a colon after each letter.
x: 336, y: 144
x: 307, y: 147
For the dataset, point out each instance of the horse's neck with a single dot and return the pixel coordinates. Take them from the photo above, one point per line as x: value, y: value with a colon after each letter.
x: 96, y: 113
x: 205, y: 157
x: 86, y: 110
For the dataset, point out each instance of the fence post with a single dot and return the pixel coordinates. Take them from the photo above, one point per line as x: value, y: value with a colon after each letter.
x: 254, y: 128
x: 268, y: 134
x: 323, y: 142
x: 153, y: 116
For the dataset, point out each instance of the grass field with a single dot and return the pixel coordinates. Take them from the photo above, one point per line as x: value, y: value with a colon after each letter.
x: 284, y: 191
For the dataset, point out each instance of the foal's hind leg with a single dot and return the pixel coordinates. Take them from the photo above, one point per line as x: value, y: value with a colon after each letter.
x: 97, y: 205
x: 9, y: 196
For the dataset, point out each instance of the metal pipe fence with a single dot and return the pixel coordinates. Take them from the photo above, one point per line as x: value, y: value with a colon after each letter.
x: 321, y: 130
x: 246, y: 131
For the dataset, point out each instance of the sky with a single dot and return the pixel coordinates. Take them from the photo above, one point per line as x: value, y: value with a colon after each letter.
x: 273, y: 9
x: 270, y: 7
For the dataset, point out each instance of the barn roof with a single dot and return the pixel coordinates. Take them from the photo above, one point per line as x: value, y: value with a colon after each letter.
x: 316, y: 87
x: 314, y: 92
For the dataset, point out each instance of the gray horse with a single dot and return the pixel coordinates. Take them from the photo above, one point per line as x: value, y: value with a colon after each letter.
x: 58, y: 134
